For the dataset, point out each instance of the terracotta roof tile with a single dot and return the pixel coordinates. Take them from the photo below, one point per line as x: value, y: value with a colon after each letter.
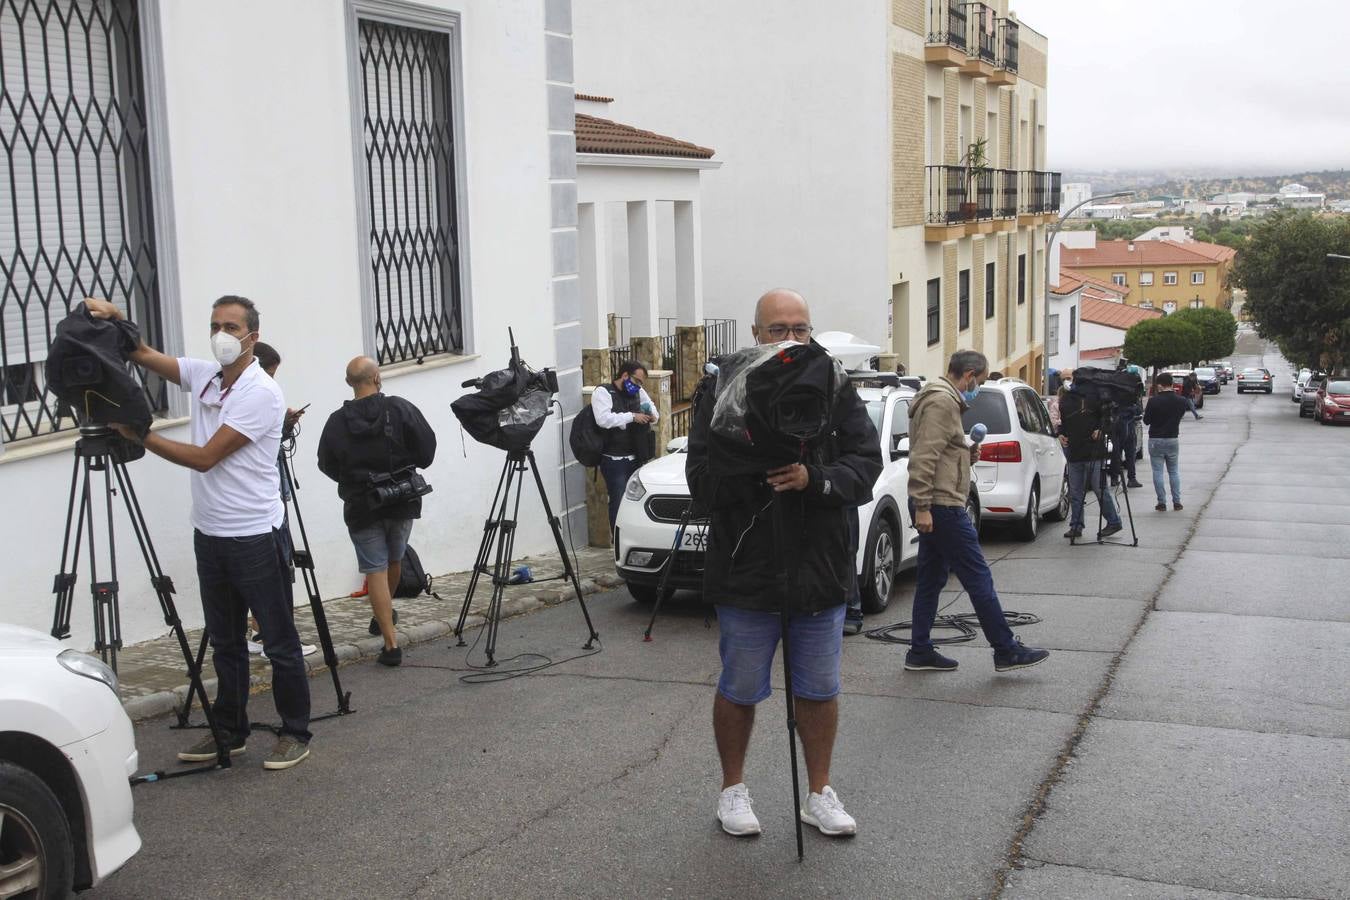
x: 1096, y: 287
x: 1145, y: 253
x: 594, y: 98
x: 1113, y: 315
x: 596, y: 135
x: 1216, y: 252
x: 1099, y: 353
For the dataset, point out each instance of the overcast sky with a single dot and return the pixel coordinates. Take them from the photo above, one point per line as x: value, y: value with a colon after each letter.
x: 1236, y: 84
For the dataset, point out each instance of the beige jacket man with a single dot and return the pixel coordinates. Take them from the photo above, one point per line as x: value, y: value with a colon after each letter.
x: 939, y: 457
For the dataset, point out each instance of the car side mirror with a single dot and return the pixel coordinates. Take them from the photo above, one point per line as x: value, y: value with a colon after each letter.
x: 900, y: 448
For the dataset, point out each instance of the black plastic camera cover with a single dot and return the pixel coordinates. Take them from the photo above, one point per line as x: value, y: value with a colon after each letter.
x: 87, y: 370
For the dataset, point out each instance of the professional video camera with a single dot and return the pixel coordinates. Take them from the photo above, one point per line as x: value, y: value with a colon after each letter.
x: 511, y: 404
x: 390, y: 489
x: 1108, y: 386
x: 773, y: 404
x: 87, y: 370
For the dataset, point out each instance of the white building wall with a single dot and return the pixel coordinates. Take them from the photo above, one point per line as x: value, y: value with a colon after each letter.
x: 794, y: 104
x: 261, y: 156
x: 1098, y: 337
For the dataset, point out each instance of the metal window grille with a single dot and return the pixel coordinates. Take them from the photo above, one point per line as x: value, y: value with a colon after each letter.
x: 1021, y: 278
x: 988, y: 290
x: 934, y: 311
x: 963, y: 300
x: 410, y: 166
x: 77, y: 220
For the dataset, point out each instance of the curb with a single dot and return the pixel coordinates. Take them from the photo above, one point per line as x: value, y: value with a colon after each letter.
x: 161, y: 702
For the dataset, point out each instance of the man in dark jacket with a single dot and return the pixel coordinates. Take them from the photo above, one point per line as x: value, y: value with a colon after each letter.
x: 1163, y: 416
x: 371, y: 436
x: 1083, y: 427
x: 742, y: 571
x: 625, y: 414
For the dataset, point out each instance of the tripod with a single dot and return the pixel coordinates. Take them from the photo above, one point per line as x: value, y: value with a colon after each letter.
x: 99, y: 449
x: 685, y: 518
x: 1114, y: 467
x: 500, y: 530
x: 304, y: 561
x: 785, y: 582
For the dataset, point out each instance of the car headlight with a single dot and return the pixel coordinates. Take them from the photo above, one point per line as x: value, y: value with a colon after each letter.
x: 88, y: 666
x: 636, y: 490
x: 640, y: 557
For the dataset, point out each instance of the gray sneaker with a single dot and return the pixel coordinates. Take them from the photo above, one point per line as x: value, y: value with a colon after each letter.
x: 288, y: 752
x: 205, y: 750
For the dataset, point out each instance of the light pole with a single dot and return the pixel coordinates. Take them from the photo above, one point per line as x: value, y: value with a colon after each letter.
x: 1045, y: 298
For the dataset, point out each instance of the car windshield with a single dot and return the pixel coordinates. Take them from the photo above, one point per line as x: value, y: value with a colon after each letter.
x: 991, y: 408
x: 874, y: 409
x: 1204, y: 373
x: 1253, y: 372
x: 1338, y: 387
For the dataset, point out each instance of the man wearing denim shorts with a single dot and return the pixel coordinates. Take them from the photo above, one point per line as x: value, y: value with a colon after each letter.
x: 371, y: 436
x: 742, y: 579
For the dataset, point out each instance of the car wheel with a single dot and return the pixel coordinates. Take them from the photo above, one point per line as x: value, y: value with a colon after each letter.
x: 1030, y: 524
x: 36, y: 854
x: 1061, y: 510
x: 882, y: 560
x: 645, y: 593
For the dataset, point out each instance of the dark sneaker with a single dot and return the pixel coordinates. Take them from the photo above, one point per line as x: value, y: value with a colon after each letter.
x: 374, y: 628
x: 1018, y: 657
x: 390, y: 658
x: 205, y: 750
x: 288, y: 752
x: 1178, y: 507
x: 929, y: 661
x: 1161, y: 507
x: 853, y: 621
x: 1110, y: 530
x: 1073, y: 533
x: 1133, y: 483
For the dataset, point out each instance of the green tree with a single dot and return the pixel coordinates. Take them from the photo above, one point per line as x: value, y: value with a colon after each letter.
x: 1218, y: 331
x: 1297, y: 296
x: 1155, y: 343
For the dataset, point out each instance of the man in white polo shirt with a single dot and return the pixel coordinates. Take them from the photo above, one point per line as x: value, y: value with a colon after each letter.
x: 237, y: 514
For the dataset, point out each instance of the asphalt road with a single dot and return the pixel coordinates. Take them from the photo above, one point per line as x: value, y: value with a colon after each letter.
x: 1187, y: 738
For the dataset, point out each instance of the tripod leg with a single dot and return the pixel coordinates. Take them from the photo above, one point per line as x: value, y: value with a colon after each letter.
x: 490, y: 528
x: 562, y: 550
x: 665, y: 571
x: 784, y: 588
x: 63, y: 585
x: 506, y: 542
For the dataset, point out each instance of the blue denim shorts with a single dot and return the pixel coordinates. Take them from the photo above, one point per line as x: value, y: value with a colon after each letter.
x: 749, y: 639
x: 380, y: 544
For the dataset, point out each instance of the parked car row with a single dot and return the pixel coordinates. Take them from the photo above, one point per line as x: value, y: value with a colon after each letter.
x: 1326, y: 399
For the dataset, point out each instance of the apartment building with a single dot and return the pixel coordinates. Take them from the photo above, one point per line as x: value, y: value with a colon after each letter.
x: 1164, y: 275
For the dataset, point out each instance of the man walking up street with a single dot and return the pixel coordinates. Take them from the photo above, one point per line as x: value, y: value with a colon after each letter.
x: 1082, y: 434
x: 742, y: 578
x: 237, y: 517
x: 377, y: 439
x: 939, y: 482
x: 1163, y: 416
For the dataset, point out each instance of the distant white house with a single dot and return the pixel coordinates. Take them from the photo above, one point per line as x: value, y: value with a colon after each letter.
x: 1296, y: 196
x: 1179, y: 233
x: 1105, y: 211
x: 1074, y: 193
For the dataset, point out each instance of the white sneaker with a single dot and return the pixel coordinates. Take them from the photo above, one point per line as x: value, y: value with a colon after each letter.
x: 826, y: 812
x: 254, y: 648
x: 734, y: 812
x: 307, y: 649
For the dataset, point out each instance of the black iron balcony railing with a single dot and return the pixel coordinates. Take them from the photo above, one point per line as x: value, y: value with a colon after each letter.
x: 1038, y: 192
x: 956, y: 195
x: 982, y: 36
x: 1056, y: 195
x: 1007, y: 43
x: 947, y: 23
x: 1007, y: 193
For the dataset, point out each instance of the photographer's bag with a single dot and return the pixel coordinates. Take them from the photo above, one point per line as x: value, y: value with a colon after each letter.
x: 413, y: 580
x: 586, y: 439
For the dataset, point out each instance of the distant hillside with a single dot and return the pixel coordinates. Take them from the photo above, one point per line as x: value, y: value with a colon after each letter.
x: 1335, y: 183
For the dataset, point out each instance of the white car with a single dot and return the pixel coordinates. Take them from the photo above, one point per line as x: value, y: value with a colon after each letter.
x: 657, y: 496
x: 66, y: 754
x: 1021, y: 474
x: 1304, y: 376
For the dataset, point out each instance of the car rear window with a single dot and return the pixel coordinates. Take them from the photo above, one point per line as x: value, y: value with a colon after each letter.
x: 1338, y: 387
x: 1204, y: 373
x: 1253, y: 372
x: 991, y: 408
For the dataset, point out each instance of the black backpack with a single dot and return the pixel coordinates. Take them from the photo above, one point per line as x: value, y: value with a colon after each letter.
x: 413, y: 580
x: 586, y: 439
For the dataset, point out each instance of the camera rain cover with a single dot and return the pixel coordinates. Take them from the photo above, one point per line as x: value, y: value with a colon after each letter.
x: 87, y: 370
x: 507, y: 410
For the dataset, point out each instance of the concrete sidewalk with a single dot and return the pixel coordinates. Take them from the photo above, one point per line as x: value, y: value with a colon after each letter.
x: 154, y: 679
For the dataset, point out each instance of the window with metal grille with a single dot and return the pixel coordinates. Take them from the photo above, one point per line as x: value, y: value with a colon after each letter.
x: 1073, y: 325
x: 988, y: 290
x: 77, y: 220
x: 1021, y: 278
x: 963, y: 300
x: 406, y: 107
x: 934, y: 310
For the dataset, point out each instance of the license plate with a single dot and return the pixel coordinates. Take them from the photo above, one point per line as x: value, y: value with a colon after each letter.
x: 694, y: 540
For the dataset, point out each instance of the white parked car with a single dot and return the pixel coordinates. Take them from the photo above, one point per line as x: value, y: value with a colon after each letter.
x: 658, y: 495
x: 1021, y: 472
x: 66, y: 754
x: 1304, y: 376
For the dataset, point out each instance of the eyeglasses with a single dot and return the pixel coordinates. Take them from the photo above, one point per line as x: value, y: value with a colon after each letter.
x: 779, y: 332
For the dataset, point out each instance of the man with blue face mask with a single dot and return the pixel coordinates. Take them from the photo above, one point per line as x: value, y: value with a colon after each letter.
x: 625, y: 413
x: 939, y: 482
x: 237, y: 517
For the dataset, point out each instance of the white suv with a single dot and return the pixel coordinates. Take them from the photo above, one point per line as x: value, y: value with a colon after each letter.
x: 66, y: 754
x: 1021, y: 472
x: 657, y: 496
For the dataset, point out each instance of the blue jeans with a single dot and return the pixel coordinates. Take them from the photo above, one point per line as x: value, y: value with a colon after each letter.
x: 1165, y: 452
x: 238, y: 574
x: 747, y: 643
x: 953, y: 546
x: 1082, y: 477
x: 616, y: 473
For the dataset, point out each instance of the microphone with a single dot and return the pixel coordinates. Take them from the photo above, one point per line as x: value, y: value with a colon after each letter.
x: 710, y: 368
x: 977, y: 433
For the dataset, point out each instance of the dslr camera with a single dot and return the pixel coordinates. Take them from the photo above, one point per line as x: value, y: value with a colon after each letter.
x: 393, y: 488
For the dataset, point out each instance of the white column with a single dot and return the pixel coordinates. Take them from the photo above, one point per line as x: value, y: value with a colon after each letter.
x: 688, y: 263
x: 643, y: 293
x: 596, y: 297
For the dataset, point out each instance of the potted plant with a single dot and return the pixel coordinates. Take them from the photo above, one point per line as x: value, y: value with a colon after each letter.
x: 976, y: 163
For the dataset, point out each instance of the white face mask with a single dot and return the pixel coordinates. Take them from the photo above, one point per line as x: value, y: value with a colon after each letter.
x: 226, y: 347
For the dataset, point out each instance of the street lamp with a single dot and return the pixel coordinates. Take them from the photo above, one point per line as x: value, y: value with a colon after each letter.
x: 1045, y: 298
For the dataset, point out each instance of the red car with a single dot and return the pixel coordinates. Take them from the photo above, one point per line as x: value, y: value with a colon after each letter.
x: 1333, y: 401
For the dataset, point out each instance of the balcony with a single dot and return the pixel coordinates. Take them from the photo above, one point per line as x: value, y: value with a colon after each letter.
x: 947, y: 30
x: 981, y: 40
x: 1006, y: 44
x: 1038, y: 196
x: 961, y: 203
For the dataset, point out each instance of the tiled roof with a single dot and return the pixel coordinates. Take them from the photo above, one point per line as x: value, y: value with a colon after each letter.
x: 1092, y: 286
x: 1113, y: 315
x: 1068, y: 283
x: 594, y: 98
x: 596, y: 135
x: 1216, y: 252
x: 1138, y: 253
x: 1100, y: 353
